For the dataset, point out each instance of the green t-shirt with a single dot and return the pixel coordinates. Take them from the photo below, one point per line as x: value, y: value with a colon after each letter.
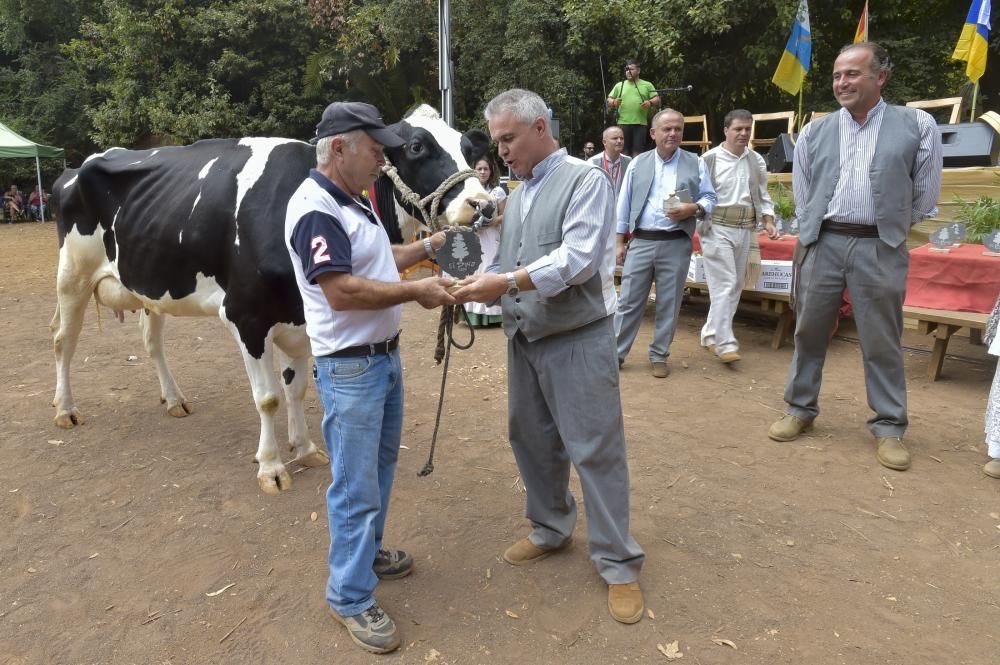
x: 632, y: 95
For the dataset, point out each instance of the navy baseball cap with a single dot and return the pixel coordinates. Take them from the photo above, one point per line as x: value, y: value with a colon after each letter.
x: 343, y: 117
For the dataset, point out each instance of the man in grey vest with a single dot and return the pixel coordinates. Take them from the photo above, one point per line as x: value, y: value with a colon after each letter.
x: 728, y: 235
x: 862, y: 177
x: 664, y: 192
x: 556, y: 280
x: 612, y: 161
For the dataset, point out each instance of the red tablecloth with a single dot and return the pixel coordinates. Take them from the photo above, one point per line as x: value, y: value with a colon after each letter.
x: 777, y: 250
x: 961, y: 280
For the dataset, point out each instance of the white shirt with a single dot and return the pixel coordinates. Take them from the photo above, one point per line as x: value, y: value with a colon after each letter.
x: 731, y: 178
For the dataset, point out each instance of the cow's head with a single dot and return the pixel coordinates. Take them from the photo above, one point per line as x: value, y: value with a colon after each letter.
x: 432, y: 152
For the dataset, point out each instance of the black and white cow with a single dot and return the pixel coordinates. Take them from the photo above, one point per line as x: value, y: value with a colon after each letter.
x: 197, y: 231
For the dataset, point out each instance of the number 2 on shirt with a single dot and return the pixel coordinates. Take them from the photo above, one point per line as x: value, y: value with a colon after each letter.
x: 318, y: 245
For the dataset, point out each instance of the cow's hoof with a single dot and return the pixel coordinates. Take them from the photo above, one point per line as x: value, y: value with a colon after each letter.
x: 178, y: 409
x: 69, y: 419
x: 314, y: 458
x: 275, y: 481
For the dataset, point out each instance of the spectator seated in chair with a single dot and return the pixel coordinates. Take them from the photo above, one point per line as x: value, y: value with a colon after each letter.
x: 38, y: 204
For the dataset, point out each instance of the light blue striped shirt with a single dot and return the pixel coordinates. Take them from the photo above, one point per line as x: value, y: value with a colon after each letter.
x: 588, y: 243
x: 652, y: 217
x: 852, y: 201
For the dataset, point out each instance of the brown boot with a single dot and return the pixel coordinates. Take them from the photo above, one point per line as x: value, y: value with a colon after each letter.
x: 892, y: 454
x: 524, y: 552
x: 788, y: 428
x: 625, y: 602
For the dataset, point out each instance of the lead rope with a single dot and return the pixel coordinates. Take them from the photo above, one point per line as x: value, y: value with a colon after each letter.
x: 434, y: 198
x: 445, y: 330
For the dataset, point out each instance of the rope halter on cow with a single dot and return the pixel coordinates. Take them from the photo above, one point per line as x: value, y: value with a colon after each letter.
x: 434, y: 198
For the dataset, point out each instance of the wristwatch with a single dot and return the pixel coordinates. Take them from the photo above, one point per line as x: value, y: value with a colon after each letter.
x: 512, y: 289
x: 429, y: 248
x: 701, y: 211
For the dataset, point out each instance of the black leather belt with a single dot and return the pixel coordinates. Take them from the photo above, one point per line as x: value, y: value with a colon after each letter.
x: 644, y: 234
x: 853, y: 230
x: 378, y: 348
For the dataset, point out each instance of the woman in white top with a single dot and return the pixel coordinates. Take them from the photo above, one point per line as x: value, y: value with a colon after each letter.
x: 489, y: 239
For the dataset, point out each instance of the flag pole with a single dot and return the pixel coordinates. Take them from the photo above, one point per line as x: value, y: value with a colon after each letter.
x: 801, y: 89
x: 975, y: 94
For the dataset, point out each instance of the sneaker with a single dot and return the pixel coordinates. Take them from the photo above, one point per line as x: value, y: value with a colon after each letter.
x: 392, y: 564
x: 659, y: 369
x: 372, y: 630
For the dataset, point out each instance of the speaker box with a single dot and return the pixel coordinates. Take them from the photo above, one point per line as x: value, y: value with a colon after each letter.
x: 779, y: 158
x: 969, y: 144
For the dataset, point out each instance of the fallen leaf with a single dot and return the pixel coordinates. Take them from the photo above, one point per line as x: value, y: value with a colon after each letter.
x: 313, y: 516
x: 671, y: 651
x: 892, y: 598
x: 512, y: 615
x: 650, y: 614
x: 790, y: 542
x: 32, y: 570
x: 432, y: 656
x: 995, y: 516
x: 56, y: 442
x: 216, y: 593
x: 722, y: 642
x: 489, y: 573
x: 94, y: 555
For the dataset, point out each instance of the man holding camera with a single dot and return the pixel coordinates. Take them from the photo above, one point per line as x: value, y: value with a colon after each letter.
x: 636, y: 100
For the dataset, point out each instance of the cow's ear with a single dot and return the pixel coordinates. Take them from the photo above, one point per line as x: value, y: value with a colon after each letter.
x: 475, y: 145
x: 397, y: 129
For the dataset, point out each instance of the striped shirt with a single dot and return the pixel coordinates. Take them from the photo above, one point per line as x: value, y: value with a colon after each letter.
x: 588, y: 240
x: 852, y: 201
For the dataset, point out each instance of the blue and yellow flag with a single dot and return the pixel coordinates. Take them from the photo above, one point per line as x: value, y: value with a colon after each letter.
x: 974, y: 39
x: 798, y: 54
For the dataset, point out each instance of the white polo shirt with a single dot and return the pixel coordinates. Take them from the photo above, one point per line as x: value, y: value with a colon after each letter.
x: 328, y: 231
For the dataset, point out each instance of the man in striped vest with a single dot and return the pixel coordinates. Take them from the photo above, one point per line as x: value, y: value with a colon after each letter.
x: 862, y: 177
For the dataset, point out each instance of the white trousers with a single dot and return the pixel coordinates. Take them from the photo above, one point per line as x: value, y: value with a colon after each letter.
x: 726, y: 250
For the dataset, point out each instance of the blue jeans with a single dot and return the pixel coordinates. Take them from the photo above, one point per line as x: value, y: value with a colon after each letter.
x: 362, y: 422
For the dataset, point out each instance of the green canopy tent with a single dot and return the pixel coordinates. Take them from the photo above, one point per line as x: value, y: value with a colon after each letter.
x: 13, y: 145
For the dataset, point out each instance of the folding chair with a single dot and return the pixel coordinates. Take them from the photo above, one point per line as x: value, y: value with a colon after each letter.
x: 703, y: 144
x: 787, y: 116
x: 954, y: 103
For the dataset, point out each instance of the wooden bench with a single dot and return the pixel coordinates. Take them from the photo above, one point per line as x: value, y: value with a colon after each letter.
x: 943, y: 324
x: 771, y: 303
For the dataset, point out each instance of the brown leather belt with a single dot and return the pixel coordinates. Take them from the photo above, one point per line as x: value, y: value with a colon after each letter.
x: 378, y: 348
x: 853, y: 230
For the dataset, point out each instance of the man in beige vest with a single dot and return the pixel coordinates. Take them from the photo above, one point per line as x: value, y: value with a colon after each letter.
x: 740, y: 180
x: 556, y: 279
x: 862, y: 177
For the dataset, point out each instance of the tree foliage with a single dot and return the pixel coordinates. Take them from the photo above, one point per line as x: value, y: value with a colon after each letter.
x: 89, y: 74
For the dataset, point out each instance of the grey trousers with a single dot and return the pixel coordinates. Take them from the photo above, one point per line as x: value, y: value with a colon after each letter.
x: 564, y: 406
x: 665, y: 262
x: 875, y: 276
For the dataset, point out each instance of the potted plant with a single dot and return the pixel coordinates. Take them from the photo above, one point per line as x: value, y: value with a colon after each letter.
x: 784, y: 209
x: 981, y: 217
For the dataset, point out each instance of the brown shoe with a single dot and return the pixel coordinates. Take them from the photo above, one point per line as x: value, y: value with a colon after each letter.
x: 892, y: 454
x: 992, y: 468
x: 625, y: 602
x: 660, y: 369
x: 710, y: 348
x: 788, y: 428
x: 729, y: 357
x: 524, y: 552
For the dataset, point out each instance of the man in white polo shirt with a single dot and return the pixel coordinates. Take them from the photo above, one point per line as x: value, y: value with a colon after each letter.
x: 348, y: 275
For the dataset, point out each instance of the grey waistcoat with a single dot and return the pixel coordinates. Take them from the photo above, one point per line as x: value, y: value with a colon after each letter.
x: 525, y: 239
x: 688, y: 177
x: 891, y: 174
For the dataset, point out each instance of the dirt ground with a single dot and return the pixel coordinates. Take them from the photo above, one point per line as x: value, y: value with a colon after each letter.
x: 118, y: 535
